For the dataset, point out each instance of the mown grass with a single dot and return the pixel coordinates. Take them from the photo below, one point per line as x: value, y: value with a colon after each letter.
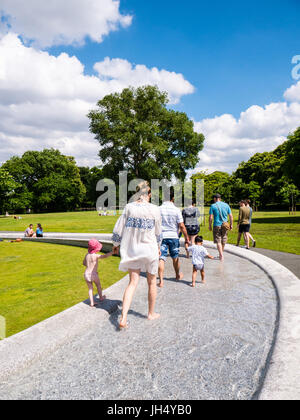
x: 38, y: 281
x: 273, y: 230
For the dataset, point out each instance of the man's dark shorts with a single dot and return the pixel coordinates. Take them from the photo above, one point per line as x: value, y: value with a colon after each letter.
x: 244, y: 228
x: 169, y: 245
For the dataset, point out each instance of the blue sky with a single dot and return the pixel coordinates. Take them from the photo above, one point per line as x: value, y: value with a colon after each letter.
x: 226, y: 64
x: 234, y: 54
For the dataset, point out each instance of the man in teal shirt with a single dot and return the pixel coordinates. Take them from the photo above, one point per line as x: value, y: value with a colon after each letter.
x: 219, y: 212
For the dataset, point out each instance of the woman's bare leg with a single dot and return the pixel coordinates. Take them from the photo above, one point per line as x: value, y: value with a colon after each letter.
x: 152, y: 292
x: 161, y: 270
x: 128, y: 295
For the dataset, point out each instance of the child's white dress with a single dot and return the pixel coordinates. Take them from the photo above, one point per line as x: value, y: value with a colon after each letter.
x: 138, y: 231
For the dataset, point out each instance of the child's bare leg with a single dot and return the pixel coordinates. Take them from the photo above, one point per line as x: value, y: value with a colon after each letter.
x: 128, y: 295
x: 99, y: 288
x: 202, y: 275
x: 194, y: 277
x: 91, y: 293
x: 152, y: 292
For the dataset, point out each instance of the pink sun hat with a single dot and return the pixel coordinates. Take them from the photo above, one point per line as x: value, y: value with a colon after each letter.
x: 94, y: 246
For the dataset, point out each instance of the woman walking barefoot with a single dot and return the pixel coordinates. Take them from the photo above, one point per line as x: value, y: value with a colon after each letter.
x: 138, y: 234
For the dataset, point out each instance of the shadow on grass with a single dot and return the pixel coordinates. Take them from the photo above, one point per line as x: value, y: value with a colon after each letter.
x: 277, y: 220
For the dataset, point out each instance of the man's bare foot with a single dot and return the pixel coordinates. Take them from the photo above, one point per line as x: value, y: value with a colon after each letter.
x: 161, y: 285
x: 203, y: 281
x: 102, y: 298
x: 180, y: 276
x: 193, y: 285
x: 153, y: 317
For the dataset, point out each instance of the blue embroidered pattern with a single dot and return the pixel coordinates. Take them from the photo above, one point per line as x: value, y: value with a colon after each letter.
x: 116, y: 238
x: 145, y: 224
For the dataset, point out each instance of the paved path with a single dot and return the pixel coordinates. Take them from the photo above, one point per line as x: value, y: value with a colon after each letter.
x: 210, y: 343
x: 290, y: 261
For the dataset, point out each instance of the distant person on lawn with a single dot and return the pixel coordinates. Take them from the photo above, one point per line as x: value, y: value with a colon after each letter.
x: 244, y: 223
x: 248, y: 202
x: 219, y: 213
x: 172, y: 223
x: 29, y: 232
x: 39, y: 231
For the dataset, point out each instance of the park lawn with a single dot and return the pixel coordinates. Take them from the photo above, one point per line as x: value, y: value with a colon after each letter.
x: 38, y: 281
x: 277, y: 231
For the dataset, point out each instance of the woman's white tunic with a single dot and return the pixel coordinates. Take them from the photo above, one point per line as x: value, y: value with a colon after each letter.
x: 138, y: 231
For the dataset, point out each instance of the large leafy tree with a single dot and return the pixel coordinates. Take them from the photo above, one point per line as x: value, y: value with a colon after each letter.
x: 291, y: 165
x: 138, y: 133
x: 48, y: 181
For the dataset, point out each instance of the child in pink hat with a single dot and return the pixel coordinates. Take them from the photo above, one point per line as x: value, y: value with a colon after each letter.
x: 91, y: 273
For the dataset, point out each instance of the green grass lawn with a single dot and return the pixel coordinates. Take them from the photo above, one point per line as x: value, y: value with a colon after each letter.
x: 272, y: 230
x: 38, y: 281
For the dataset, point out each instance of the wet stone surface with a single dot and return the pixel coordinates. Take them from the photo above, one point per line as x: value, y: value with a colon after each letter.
x: 210, y: 343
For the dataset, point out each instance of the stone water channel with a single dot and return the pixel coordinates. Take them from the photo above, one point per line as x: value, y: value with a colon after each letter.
x: 211, y: 342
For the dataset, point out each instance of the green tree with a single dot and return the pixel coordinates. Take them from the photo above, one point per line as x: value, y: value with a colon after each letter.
x: 90, y: 178
x: 291, y: 165
x: 216, y: 182
x: 139, y: 134
x: 48, y: 181
x: 7, y: 188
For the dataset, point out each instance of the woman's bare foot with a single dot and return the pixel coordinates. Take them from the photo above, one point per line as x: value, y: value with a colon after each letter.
x: 180, y: 276
x: 193, y: 285
x: 161, y: 284
x: 102, y: 298
x: 153, y: 317
x: 123, y: 325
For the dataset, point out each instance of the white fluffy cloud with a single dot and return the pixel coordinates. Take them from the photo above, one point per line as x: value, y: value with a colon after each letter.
x: 44, y: 99
x: 230, y: 141
x: 119, y: 73
x: 66, y: 22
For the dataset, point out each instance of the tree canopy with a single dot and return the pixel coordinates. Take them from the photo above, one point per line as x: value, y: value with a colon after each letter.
x: 45, y: 181
x: 139, y: 134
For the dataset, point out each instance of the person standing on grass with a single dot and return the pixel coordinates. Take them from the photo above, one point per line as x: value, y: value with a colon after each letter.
x: 190, y: 219
x: 248, y: 202
x: 218, y: 213
x: 172, y: 223
x: 138, y: 234
x: 244, y: 223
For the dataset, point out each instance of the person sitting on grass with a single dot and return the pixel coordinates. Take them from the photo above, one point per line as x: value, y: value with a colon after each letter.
x: 91, y: 273
x: 39, y: 231
x: 198, y: 254
x: 29, y: 232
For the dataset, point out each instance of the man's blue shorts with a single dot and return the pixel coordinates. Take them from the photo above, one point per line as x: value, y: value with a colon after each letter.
x: 169, y: 245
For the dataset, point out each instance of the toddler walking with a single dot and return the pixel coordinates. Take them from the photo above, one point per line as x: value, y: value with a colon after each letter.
x: 91, y: 273
x: 198, y: 254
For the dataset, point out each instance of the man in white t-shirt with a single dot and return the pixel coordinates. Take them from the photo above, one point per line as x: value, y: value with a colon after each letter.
x: 172, y: 223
